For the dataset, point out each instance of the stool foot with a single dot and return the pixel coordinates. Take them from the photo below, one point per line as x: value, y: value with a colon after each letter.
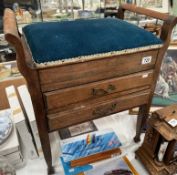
x: 136, y: 139
x: 51, y: 170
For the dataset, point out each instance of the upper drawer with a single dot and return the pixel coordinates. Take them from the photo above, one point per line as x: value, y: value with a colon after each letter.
x: 60, y: 98
x: 104, y: 68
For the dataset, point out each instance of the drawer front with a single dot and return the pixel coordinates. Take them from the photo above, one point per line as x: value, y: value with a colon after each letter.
x: 91, y: 110
x: 60, y: 98
x: 81, y: 73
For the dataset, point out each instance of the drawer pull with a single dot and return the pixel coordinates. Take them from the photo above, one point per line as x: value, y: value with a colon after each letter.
x: 98, y: 92
x: 105, y: 110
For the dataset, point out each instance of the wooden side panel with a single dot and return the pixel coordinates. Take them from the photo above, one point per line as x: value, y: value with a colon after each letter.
x: 91, y: 110
x: 59, y: 98
x: 81, y: 73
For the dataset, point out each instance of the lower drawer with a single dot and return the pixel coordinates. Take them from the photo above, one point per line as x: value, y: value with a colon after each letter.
x: 91, y: 110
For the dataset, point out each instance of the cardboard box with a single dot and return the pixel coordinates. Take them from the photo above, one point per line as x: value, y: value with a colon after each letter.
x: 11, y: 149
x: 27, y: 104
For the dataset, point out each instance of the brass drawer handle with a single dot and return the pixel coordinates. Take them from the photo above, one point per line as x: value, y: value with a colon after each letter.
x: 98, y: 92
x: 105, y: 110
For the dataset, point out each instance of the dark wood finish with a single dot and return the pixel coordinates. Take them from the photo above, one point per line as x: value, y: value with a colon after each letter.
x: 159, y: 130
x: 152, y: 168
x: 170, y: 157
x: 151, y: 141
x: 101, y: 77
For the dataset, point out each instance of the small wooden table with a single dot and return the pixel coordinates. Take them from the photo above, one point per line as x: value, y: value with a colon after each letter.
x: 159, y: 129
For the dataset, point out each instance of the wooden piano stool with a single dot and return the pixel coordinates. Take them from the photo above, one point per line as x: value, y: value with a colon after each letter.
x: 73, y: 91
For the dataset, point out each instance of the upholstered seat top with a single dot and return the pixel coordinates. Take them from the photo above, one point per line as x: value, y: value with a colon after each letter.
x: 54, y: 42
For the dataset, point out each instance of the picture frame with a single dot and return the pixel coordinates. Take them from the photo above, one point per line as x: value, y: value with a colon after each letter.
x: 157, y: 5
x: 78, y: 129
x: 166, y: 88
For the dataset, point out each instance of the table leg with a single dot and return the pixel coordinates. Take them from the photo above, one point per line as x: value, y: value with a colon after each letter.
x: 45, y: 142
x: 42, y: 123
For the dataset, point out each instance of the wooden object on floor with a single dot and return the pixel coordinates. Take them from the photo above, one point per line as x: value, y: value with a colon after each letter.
x: 152, y: 168
x: 158, y: 130
x: 96, y: 157
x: 167, y: 113
x: 68, y: 94
x: 3, y: 99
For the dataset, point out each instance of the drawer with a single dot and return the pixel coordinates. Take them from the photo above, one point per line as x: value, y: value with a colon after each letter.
x: 60, y: 98
x: 65, y: 76
x: 93, y: 110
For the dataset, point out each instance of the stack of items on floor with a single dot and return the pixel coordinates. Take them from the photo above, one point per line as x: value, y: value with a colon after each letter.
x: 17, y: 141
x: 90, y: 153
x: 20, y: 123
x: 10, y: 149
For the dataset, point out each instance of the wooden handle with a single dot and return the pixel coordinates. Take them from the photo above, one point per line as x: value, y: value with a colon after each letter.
x: 169, y: 20
x: 99, y: 92
x: 14, y: 38
x: 104, y: 110
x: 147, y: 12
x: 10, y: 25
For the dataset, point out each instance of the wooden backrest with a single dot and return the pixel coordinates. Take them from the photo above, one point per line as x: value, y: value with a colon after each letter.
x: 168, y: 25
x: 10, y: 26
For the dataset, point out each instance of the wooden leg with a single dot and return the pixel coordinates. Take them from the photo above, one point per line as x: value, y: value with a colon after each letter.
x: 141, y: 120
x: 42, y: 123
x: 45, y: 142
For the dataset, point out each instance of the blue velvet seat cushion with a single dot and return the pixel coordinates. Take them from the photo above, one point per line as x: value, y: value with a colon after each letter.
x: 52, y: 41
